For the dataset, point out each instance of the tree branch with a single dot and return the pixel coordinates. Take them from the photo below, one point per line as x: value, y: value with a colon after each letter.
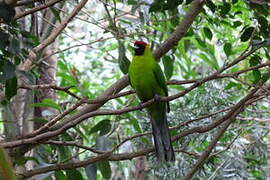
x: 77, y: 118
x: 38, y: 8
x: 55, y: 33
x: 123, y: 82
x: 180, y: 31
x: 228, y: 118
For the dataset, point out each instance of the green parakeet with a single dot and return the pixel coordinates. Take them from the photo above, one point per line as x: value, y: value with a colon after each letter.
x: 147, y: 78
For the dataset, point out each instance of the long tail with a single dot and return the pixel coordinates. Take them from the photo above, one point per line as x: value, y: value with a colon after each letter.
x: 162, y: 140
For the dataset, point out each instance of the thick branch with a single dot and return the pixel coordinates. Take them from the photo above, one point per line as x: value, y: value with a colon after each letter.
x: 195, y: 9
x: 209, y: 149
x: 38, y: 8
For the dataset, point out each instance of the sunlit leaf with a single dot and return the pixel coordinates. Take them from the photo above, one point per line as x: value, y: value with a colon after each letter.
x: 47, y: 103
x: 232, y: 85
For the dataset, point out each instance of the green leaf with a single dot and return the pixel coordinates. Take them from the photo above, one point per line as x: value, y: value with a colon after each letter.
x: 132, y: 2
x: 211, y: 5
x: 29, y: 39
x: 74, y: 174
x: 237, y: 23
x: 11, y: 88
x: 233, y: 85
x: 59, y: 175
x: 207, y: 33
x: 263, y: 23
x: 254, y: 60
x: 103, y: 126
x: 168, y: 66
x: 105, y: 169
x: 39, y: 120
x: 267, y: 55
x: 47, y: 103
x: 63, y: 153
x: 135, y: 124
x: 161, y: 6
x: 200, y: 42
x: 256, y: 75
x: 56, y: 14
x: 4, y: 39
x: 7, y: 70
x: 23, y: 159
x: 6, y: 168
x: 17, y: 60
x: 188, y: 1
x: 81, y: 133
x: 227, y: 49
x: 247, y: 34
x: 209, y: 61
x: 155, y: 7
x: 7, y: 12
x: 62, y: 65
x: 225, y: 9
x: 14, y: 46
x: 122, y: 58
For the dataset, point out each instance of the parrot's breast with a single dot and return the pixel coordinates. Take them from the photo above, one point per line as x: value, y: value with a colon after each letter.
x: 143, y: 79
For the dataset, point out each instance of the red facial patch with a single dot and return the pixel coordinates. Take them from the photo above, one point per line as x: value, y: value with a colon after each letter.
x: 140, y: 43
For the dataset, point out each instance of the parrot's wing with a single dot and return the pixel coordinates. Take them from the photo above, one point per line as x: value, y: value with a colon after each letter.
x: 160, y: 78
x: 129, y: 81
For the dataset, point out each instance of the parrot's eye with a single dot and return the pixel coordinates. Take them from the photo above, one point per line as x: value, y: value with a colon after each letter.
x: 139, y: 48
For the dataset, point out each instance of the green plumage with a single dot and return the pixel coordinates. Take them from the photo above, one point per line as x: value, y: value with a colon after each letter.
x: 147, y: 78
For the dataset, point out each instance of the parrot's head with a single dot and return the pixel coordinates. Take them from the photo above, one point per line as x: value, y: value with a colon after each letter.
x: 139, y: 47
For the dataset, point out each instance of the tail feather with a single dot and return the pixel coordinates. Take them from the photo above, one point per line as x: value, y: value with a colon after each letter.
x: 162, y: 140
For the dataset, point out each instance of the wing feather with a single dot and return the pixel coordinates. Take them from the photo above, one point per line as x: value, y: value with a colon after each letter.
x: 160, y: 78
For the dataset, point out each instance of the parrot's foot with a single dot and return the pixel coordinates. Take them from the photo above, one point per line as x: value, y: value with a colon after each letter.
x: 157, y: 98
